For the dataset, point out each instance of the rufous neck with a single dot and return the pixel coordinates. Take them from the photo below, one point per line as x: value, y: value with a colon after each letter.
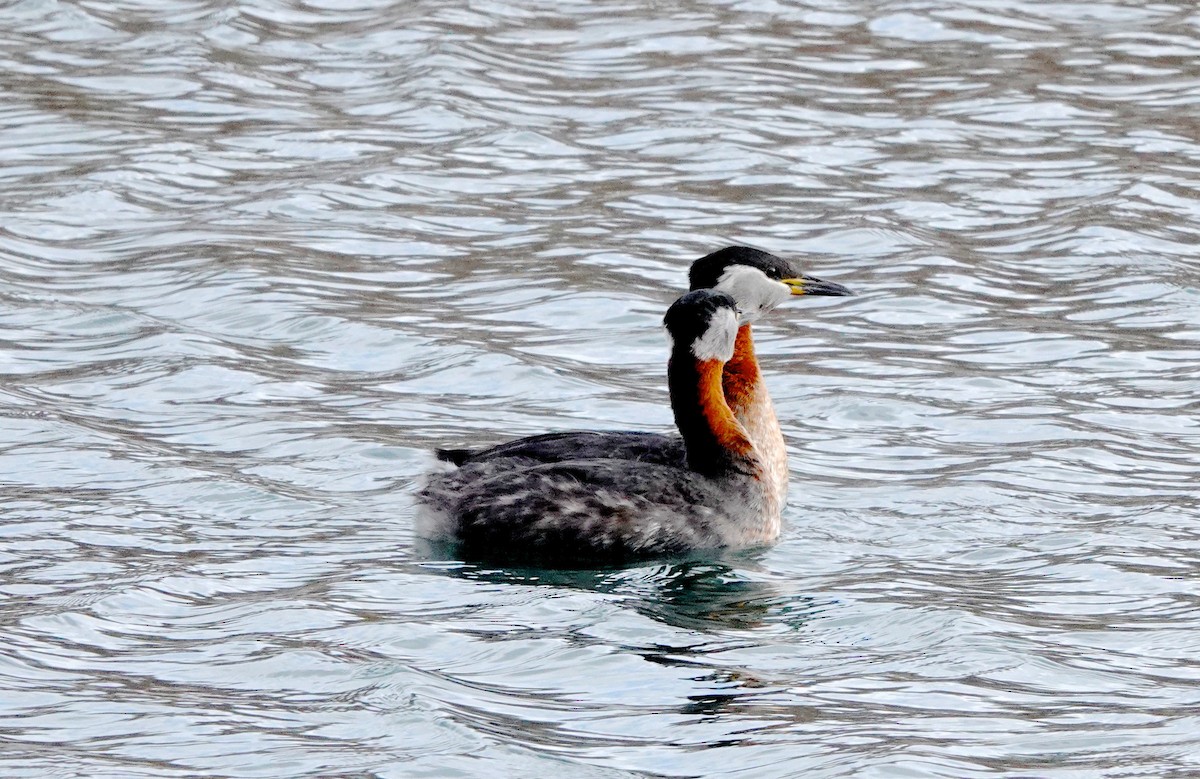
x: 715, y: 440
x: 742, y: 377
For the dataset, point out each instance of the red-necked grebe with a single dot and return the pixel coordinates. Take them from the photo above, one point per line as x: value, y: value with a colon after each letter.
x: 758, y: 281
x: 589, y: 511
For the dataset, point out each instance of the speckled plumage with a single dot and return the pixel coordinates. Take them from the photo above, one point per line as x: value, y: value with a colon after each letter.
x: 591, y: 511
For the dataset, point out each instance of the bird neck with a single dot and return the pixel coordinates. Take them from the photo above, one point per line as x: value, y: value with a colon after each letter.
x: 747, y: 395
x: 716, y: 442
x: 742, y: 378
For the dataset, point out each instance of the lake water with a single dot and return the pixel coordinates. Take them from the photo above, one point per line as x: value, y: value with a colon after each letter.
x: 258, y: 258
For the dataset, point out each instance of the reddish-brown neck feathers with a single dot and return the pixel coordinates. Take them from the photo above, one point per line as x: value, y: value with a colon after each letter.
x: 742, y: 375
x: 729, y: 433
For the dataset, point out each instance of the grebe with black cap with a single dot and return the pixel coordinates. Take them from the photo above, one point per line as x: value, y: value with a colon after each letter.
x: 758, y: 281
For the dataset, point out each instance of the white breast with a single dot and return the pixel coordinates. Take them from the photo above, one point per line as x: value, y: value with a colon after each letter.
x: 758, y: 416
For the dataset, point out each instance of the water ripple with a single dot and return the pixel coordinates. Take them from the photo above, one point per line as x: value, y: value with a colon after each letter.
x: 255, y: 261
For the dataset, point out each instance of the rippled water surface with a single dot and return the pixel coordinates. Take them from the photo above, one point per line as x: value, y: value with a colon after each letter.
x: 257, y: 258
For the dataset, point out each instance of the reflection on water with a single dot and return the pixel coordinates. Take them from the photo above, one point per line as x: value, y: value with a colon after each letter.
x: 257, y: 259
x: 699, y: 595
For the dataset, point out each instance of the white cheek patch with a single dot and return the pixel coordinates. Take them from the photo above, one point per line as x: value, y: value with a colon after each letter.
x: 754, y: 292
x: 717, y: 341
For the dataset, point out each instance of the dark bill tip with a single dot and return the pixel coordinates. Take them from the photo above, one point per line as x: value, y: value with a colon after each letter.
x: 807, y: 285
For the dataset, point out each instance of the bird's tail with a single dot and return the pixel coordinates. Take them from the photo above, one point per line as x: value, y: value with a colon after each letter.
x: 454, y: 456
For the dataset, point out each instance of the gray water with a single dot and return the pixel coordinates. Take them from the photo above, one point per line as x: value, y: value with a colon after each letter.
x: 257, y: 258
